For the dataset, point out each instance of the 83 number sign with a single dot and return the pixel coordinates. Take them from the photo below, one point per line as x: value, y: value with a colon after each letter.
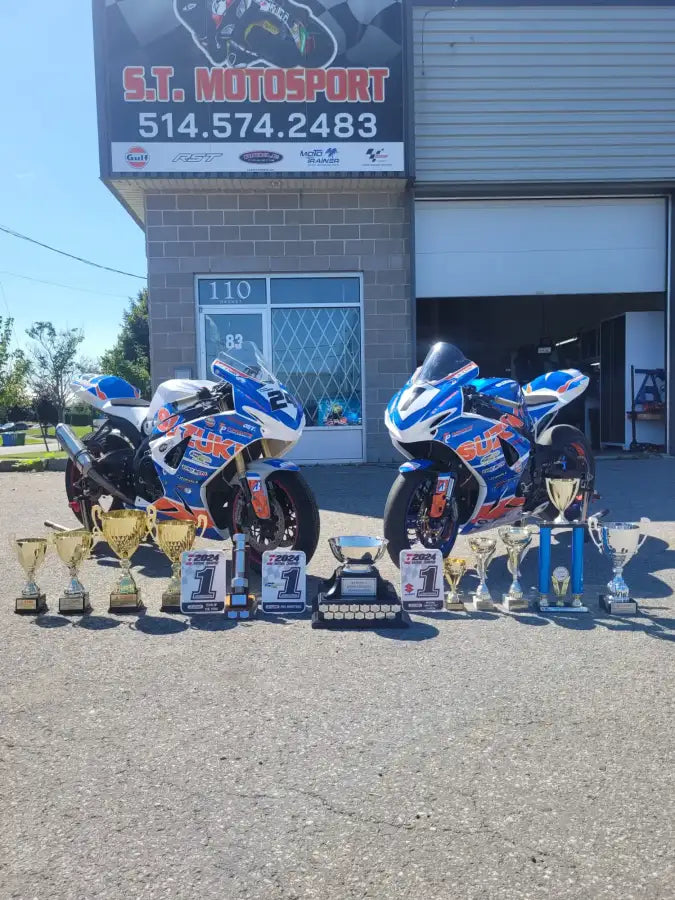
x: 203, y: 581
x: 284, y: 582
x: 421, y: 580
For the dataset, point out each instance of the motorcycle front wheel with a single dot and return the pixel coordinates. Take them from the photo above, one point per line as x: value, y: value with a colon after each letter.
x: 407, y: 520
x: 293, y: 523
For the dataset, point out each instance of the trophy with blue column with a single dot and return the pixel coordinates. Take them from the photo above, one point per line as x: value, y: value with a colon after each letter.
x: 562, y: 492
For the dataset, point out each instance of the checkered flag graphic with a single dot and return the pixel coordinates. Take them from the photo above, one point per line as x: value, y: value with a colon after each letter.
x: 363, y: 29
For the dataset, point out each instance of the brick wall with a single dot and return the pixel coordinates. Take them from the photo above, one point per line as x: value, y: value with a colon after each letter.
x: 247, y: 233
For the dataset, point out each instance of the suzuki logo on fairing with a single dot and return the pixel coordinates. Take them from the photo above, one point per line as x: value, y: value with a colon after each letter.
x: 481, y: 445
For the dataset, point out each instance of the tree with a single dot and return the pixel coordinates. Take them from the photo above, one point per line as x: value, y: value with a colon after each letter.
x: 53, y: 363
x: 13, y: 371
x: 129, y: 358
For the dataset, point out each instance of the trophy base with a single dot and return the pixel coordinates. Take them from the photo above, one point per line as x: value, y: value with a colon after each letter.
x: 125, y: 603
x: 618, y: 607
x: 513, y: 604
x: 454, y: 605
x: 239, y: 611
x: 74, y: 604
x: 544, y: 606
x: 479, y: 604
x: 170, y: 602
x: 358, y: 612
x: 31, y: 606
x: 378, y: 606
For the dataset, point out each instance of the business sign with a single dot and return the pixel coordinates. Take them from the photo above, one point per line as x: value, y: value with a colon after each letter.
x: 250, y: 86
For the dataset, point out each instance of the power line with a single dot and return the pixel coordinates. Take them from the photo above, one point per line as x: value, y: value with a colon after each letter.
x: 87, y: 262
x: 68, y: 287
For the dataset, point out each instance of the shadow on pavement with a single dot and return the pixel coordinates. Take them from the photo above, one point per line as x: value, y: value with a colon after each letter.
x: 215, y: 622
x: 158, y: 625
x: 97, y: 623
x: 50, y: 621
x: 418, y: 631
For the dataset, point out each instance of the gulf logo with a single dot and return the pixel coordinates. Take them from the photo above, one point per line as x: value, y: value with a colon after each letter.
x: 137, y: 157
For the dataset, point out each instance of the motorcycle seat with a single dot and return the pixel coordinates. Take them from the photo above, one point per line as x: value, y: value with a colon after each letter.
x: 130, y: 401
x: 538, y: 398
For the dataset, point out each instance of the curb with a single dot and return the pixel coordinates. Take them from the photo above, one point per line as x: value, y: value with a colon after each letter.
x: 37, y: 465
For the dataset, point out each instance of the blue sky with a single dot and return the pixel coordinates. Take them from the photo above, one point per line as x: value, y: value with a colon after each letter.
x: 50, y: 186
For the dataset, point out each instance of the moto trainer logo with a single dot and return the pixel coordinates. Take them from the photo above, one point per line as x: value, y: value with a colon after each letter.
x: 281, y: 33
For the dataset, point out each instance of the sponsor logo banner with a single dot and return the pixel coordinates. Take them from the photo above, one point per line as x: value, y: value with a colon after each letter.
x: 240, y: 158
x: 248, y: 86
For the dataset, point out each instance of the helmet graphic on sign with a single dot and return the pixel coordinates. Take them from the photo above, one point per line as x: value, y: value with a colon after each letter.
x: 278, y: 33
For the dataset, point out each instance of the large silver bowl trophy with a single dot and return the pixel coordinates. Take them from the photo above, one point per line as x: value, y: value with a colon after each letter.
x: 619, y: 542
x: 356, y: 595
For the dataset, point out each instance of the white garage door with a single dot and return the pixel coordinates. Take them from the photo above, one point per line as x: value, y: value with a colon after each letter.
x: 495, y: 248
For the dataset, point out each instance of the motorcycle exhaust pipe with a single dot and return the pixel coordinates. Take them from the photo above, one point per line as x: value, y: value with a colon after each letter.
x: 81, y: 457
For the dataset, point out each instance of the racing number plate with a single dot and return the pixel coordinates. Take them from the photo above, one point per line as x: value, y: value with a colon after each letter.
x: 284, y: 582
x: 421, y: 580
x: 203, y: 581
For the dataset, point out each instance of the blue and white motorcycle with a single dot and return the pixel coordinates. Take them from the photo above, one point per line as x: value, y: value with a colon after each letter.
x: 198, y: 448
x: 479, y: 450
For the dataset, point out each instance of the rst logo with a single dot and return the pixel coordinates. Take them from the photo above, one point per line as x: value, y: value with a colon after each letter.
x: 284, y: 559
x: 419, y: 558
x: 197, y: 157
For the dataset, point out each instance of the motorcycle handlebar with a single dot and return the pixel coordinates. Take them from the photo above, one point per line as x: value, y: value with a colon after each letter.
x: 502, y: 401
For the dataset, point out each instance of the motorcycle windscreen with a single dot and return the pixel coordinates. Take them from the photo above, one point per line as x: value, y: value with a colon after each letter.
x: 246, y: 362
x: 445, y: 362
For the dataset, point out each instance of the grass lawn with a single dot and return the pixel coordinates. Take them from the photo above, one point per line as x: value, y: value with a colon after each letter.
x: 31, y: 457
x: 34, y: 435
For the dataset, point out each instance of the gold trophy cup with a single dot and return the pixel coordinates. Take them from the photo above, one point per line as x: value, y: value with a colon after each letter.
x: 123, y: 530
x: 561, y: 492
x: 31, y: 553
x: 454, y: 569
x: 174, y: 537
x: 73, y: 547
x: 560, y: 580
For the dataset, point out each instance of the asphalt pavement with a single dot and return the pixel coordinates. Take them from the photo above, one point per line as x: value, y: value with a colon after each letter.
x: 469, y: 756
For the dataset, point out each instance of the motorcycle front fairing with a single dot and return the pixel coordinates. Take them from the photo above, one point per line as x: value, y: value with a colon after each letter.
x: 263, y: 411
x: 440, y: 414
x: 496, y: 452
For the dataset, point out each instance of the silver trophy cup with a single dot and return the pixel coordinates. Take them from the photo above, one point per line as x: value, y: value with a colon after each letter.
x: 619, y: 542
x: 484, y: 549
x: 358, y: 553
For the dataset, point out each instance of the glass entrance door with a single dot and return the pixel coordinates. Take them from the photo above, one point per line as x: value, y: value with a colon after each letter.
x: 310, y: 328
x: 226, y: 331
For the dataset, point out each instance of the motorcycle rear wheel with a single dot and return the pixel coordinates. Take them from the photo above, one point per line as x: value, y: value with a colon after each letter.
x: 74, y: 476
x: 406, y: 516
x: 293, y: 525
